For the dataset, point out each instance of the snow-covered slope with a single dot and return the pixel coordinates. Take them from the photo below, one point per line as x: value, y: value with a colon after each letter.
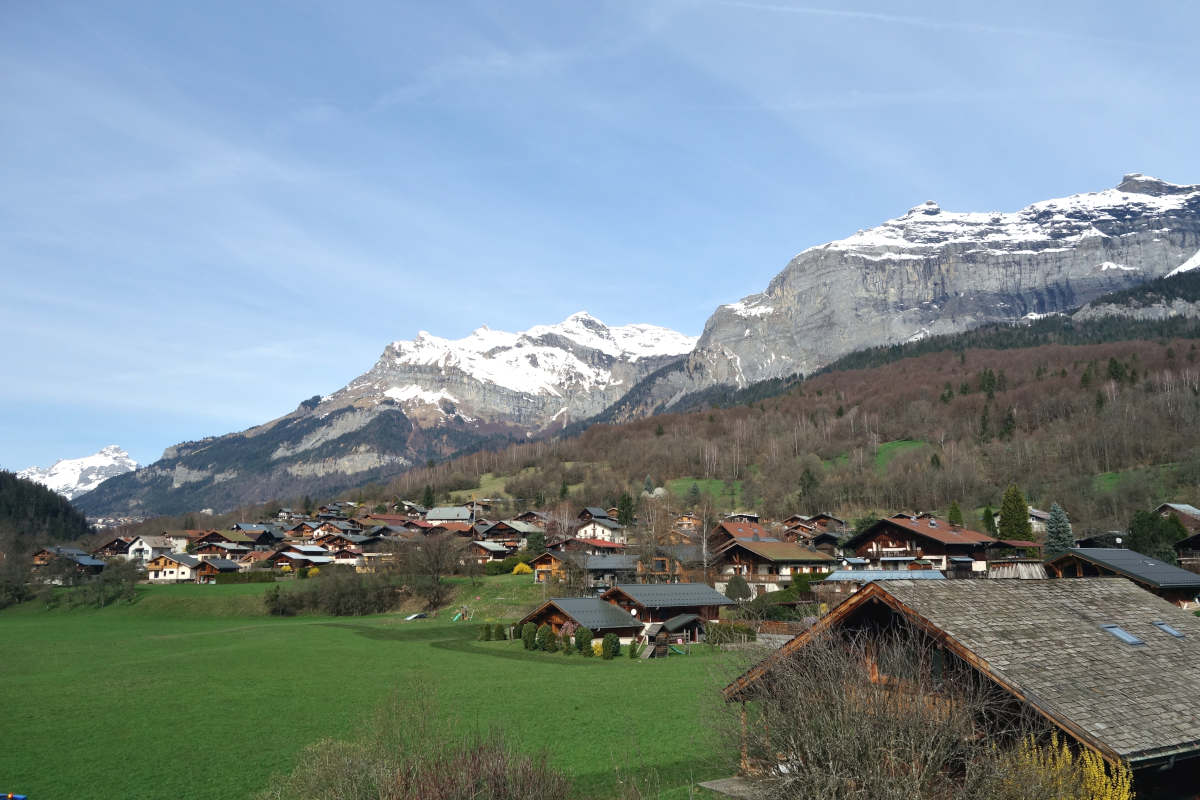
x: 72, y: 477
x: 534, y: 378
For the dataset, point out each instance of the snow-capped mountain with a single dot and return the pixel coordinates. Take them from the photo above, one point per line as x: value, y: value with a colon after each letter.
x: 426, y: 398
x: 932, y: 271
x: 71, y: 477
x: 544, y: 376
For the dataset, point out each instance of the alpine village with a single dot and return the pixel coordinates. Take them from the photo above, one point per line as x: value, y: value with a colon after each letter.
x: 911, y: 514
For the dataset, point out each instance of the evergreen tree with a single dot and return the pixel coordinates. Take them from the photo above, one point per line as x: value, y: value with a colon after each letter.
x: 988, y: 518
x: 427, y: 499
x: 545, y: 639
x: 583, y: 642
x: 529, y: 635
x: 564, y: 491
x: 535, y: 543
x: 648, y: 485
x: 1059, y: 537
x: 985, y: 424
x: 738, y: 589
x: 1014, y: 516
x: 1155, y: 536
x: 625, y: 509
x: 693, y: 495
x: 954, y: 516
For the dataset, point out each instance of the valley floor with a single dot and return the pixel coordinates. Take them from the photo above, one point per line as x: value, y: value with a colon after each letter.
x: 190, y: 693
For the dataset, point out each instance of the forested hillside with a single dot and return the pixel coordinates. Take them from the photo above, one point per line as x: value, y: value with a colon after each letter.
x: 32, y: 511
x: 1103, y: 429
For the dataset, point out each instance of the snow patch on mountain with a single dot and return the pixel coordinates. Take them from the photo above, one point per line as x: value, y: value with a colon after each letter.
x: 72, y: 477
x: 1187, y: 266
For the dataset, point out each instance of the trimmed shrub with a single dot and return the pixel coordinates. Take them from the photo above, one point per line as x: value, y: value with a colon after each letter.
x: 610, y: 647
x: 567, y: 644
x: 545, y: 638
x: 498, y: 632
x: 529, y: 635
x: 485, y: 633
x: 634, y: 649
x: 583, y: 641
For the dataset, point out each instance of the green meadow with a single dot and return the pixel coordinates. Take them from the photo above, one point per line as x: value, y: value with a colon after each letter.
x: 191, y: 692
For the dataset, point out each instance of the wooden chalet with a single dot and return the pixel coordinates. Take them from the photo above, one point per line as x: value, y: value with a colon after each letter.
x: 897, y: 541
x: 590, y: 513
x: 538, y: 518
x: 1188, y: 515
x: 1112, y: 667
x: 146, y: 548
x: 823, y: 541
x: 659, y: 602
x: 584, y: 612
x: 827, y: 522
x: 743, y: 516
x: 482, y: 552
x: 209, y: 568
x: 688, y: 522
x: 82, y: 563
x: 1187, y: 551
x: 673, y: 563
x: 1168, y: 581
x: 223, y: 550
x: 227, y: 537
x: 172, y: 568
x: 302, y: 529
x: 771, y: 566
x: 117, y: 547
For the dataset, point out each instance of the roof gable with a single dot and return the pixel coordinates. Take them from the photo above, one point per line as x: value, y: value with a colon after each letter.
x: 1042, y: 640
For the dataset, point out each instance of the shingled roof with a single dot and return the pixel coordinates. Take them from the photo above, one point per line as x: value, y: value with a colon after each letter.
x: 1047, y: 642
x: 1136, y: 566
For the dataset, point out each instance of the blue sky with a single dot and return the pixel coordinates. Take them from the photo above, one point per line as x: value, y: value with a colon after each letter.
x: 212, y: 213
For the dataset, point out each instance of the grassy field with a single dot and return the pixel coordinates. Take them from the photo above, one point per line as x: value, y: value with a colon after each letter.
x: 715, y: 487
x: 134, y: 701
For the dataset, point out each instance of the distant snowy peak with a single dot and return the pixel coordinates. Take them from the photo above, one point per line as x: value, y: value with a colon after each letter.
x: 1059, y: 223
x: 542, y: 360
x: 542, y: 377
x: 72, y: 477
x: 629, y: 342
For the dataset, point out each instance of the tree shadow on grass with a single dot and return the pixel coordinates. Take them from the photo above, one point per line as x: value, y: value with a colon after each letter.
x: 407, y: 632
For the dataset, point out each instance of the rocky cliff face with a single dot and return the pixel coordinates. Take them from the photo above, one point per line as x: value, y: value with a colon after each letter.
x: 931, y: 272
x: 72, y: 477
x: 429, y: 398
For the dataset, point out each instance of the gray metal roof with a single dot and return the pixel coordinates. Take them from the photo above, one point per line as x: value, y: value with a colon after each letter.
x: 1045, y: 638
x: 223, y: 564
x: 604, y: 522
x: 596, y: 511
x: 596, y: 614
x: 868, y: 575
x: 494, y: 547
x: 183, y: 558
x: 606, y: 563
x: 666, y: 595
x: 1183, y: 508
x: 448, y: 514
x: 1149, y: 570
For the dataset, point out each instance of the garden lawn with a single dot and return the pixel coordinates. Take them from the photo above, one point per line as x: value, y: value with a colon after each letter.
x: 177, y: 696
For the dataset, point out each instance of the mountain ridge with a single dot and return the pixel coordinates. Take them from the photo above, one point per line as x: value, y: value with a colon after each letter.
x: 72, y: 477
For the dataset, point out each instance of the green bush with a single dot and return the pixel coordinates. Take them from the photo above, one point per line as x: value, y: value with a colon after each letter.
x: 546, y: 640
x: 583, y: 641
x: 567, y: 644
x: 634, y: 649
x: 498, y: 632
x: 485, y: 633
x: 255, y: 576
x: 529, y: 635
x: 610, y: 647
x: 339, y: 593
x: 726, y: 632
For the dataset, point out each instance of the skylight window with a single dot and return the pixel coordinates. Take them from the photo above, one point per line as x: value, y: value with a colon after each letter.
x: 1122, y: 634
x: 1165, y: 628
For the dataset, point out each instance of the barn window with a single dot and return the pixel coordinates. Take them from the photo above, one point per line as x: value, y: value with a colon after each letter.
x: 1122, y: 634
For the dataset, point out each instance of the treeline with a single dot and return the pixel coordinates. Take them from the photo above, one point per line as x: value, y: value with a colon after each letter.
x: 30, y: 510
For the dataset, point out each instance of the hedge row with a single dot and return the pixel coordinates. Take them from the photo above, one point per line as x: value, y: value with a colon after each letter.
x: 257, y: 576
